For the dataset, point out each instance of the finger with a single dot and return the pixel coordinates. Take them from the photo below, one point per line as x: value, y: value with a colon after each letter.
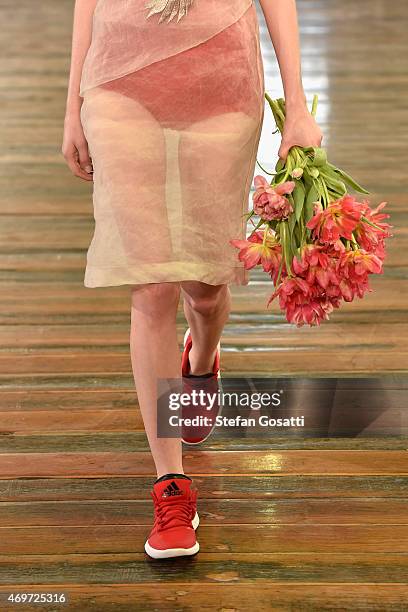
x: 84, y: 158
x: 283, y: 151
x: 73, y: 164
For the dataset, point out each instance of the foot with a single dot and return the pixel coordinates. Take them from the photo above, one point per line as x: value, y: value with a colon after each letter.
x: 203, y: 416
x: 175, y: 520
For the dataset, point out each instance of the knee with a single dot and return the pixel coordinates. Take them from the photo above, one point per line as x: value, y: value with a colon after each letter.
x: 208, y: 305
x: 156, y: 301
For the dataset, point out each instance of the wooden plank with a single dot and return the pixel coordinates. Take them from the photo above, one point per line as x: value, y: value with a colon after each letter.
x: 37, y: 399
x: 212, y: 568
x: 72, y: 297
x: 218, y: 591
x: 210, y: 487
x: 262, y: 364
x: 111, y: 369
x: 197, y: 462
x: 58, y: 422
x: 241, y: 326
x: 127, y: 434
x: 113, y: 539
x: 245, y: 326
x: 104, y: 399
x: 213, y: 512
x: 376, y: 335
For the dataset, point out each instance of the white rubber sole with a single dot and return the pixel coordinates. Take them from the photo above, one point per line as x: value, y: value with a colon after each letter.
x: 171, y: 552
x: 195, y: 521
x: 174, y: 552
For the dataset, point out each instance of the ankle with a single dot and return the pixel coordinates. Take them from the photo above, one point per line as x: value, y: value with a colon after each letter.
x: 171, y: 476
x: 200, y: 365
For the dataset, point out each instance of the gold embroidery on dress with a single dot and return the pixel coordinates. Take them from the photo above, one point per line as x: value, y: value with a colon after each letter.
x: 169, y: 9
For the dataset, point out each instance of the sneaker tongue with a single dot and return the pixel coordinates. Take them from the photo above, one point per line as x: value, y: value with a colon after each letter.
x: 173, y: 489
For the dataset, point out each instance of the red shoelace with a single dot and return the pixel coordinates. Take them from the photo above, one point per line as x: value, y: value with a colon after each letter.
x: 179, y: 513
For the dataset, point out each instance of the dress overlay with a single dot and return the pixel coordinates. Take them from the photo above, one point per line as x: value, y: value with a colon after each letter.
x: 172, y: 113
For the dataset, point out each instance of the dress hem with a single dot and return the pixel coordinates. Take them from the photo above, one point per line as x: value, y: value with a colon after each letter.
x: 112, y: 277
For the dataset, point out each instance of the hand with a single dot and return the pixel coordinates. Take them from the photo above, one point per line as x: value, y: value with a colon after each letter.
x: 300, y: 129
x: 75, y: 148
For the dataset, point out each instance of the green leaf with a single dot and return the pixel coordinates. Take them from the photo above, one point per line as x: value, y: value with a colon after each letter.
x: 293, y: 243
x: 349, y: 180
x: 298, y: 253
x: 307, y: 180
x: 319, y: 157
x: 314, y: 172
x: 312, y: 196
x: 299, y: 195
x: 333, y: 183
x: 293, y: 229
x: 291, y: 222
x: 285, y: 241
x: 298, y: 235
x: 280, y: 165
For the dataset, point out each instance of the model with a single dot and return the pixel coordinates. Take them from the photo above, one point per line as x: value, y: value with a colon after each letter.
x: 164, y: 113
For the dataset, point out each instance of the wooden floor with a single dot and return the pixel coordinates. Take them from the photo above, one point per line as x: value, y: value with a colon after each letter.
x: 288, y: 523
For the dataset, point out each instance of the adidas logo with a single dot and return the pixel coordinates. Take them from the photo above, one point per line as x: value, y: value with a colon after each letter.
x: 172, y: 489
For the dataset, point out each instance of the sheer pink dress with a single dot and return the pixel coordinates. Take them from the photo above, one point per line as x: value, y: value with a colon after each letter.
x: 172, y: 113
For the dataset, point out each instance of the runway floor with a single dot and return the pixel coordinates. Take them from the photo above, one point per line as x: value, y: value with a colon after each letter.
x: 290, y: 523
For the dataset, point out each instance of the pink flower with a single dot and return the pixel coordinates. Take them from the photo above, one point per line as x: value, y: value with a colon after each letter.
x: 358, y: 263
x: 316, y: 266
x: 338, y: 220
x: 302, y: 303
x: 372, y: 239
x: 354, y: 268
x: 269, y: 202
x: 253, y: 251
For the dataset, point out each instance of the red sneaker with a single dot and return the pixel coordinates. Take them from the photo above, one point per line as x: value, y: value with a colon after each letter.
x: 175, y: 520
x: 203, y: 416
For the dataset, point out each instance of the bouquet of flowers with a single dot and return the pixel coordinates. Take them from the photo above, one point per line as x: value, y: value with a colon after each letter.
x: 315, y: 240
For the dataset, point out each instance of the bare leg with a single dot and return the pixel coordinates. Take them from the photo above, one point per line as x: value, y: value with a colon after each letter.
x: 155, y: 354
x: 206, y: 308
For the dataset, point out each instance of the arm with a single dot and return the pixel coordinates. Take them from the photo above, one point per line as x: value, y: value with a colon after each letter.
x: 75, y: 147
x: 300, y: 127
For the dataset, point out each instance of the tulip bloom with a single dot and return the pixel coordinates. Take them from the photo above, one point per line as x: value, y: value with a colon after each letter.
x: 270, y: 202
x: 338, y: 220
x: 300, y: 303
x: 316, y: 266
x: 255, y: 251
x: 372, y: 239
x: 358, y: 263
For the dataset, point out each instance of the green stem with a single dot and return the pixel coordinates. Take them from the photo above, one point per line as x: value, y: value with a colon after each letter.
x: 326, y: 193
x: 279, y: 272
x: 258, y: 225
x: 372, y: 224
x: 266, y: 230
x: 289, y: 168
x: 355, y: 243
x: 279, y: 116
x: 285, y: 239
x: 314, y: 105
x: 266, y: 171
